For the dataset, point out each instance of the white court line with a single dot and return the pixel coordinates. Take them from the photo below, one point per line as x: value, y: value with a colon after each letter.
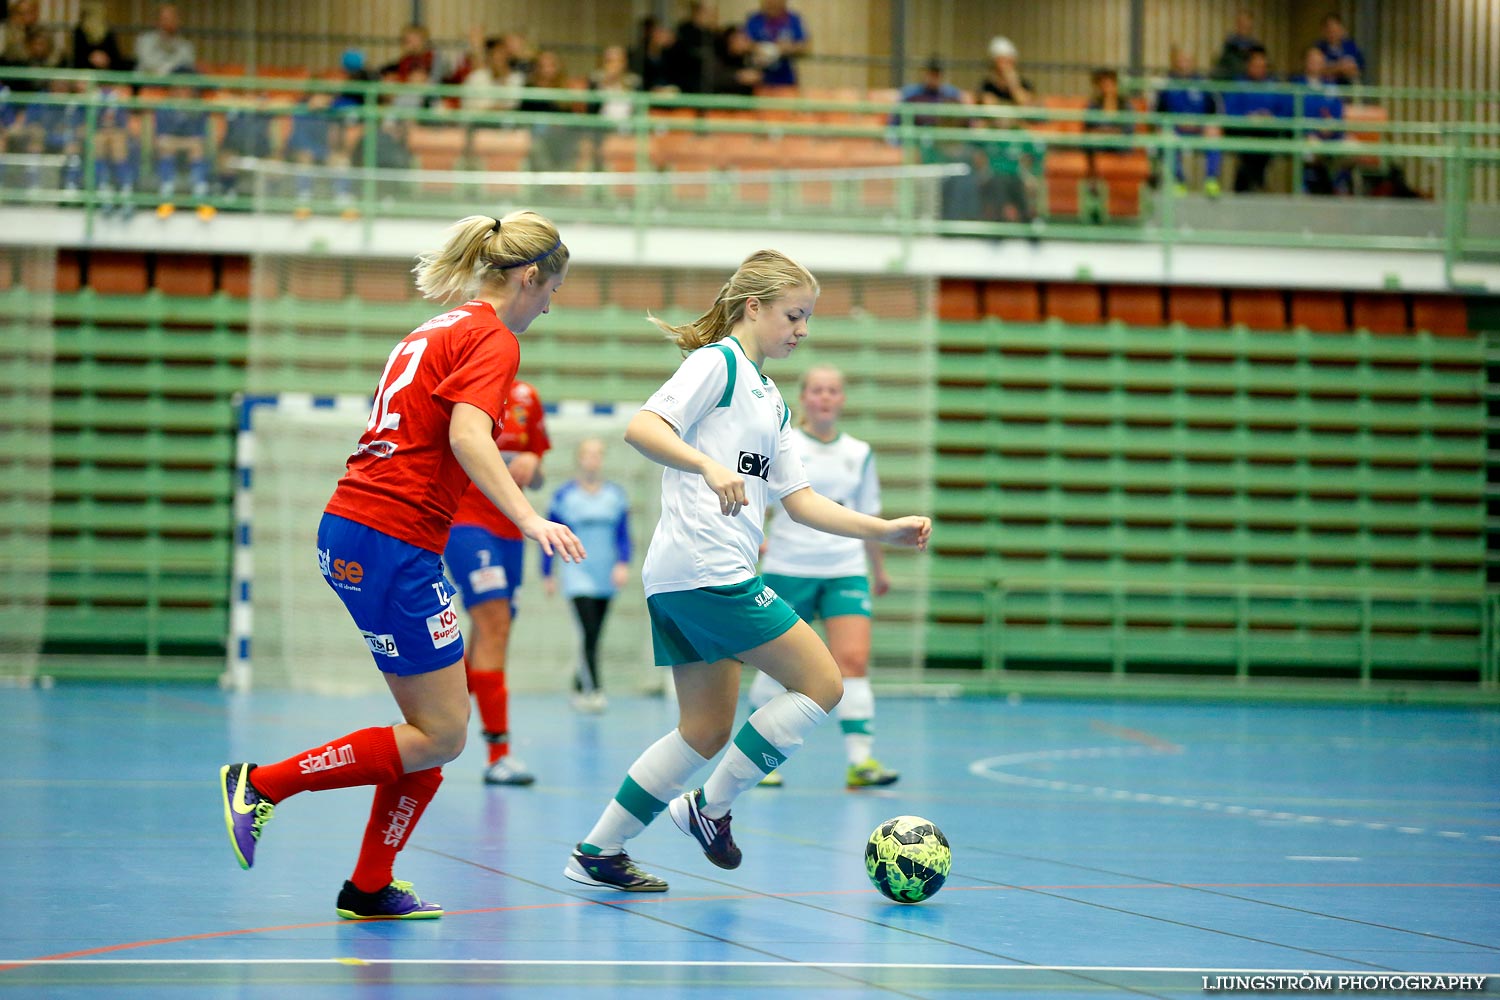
x: 989, y: 768
x: 1321, y: 857
x: 688, y: 963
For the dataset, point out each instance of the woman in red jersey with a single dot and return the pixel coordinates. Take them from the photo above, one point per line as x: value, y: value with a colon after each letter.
x: 431, y: 431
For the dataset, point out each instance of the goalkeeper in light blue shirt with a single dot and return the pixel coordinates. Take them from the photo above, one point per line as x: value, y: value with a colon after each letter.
x: 598, y: 513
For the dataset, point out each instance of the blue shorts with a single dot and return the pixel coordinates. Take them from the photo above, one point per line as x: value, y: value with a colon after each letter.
x: 485, y: 566
x: 396, y: 594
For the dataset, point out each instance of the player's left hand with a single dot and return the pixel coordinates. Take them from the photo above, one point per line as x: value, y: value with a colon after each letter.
x: 619, y: 575
x: 880, y: 582
x: 911, y: 531
x: 555, y: 539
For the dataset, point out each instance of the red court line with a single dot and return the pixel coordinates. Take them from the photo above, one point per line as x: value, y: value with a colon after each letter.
x: 1134, y: 736
x: 663, y: 900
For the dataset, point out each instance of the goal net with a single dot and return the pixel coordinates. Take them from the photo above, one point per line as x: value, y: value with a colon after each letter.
x: 289, y: 629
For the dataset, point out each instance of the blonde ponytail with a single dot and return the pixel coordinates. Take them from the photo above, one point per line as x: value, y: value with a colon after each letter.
x: 766, y: 275
x: 480, y: 250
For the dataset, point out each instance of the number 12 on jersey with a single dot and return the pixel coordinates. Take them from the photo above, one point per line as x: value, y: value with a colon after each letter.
x: 382, y: 417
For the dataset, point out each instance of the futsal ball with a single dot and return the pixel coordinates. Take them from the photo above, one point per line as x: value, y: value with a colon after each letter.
x: 908, y: 859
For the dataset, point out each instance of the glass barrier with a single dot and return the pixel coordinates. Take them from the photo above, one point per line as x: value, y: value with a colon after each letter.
x: 116, y: 144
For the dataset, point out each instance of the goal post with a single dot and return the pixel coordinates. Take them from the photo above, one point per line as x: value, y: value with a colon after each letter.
x: 288, y: 630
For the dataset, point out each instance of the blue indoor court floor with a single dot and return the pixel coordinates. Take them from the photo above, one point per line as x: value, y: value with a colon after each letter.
x: 1100, y: 849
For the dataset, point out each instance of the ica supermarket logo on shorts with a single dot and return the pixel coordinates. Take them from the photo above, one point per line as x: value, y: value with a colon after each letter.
x: 443, y: 627
x: 752, y: 464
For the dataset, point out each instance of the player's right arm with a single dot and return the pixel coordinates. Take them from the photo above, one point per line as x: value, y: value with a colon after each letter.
x: 651, y: 435
x: 471, y: 436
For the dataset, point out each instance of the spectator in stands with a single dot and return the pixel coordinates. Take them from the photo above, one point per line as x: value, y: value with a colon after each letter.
x: 117, y: 155
x: 1009, y: 168
x: 489, y: 59
x: 1005, y: 82
x: 56, y: 129
x: 317, y: 139
x: 1106, y: 103
x: 164, y: 51
x: 522, y: 55
x: 613, y: 77
x: 41, y: 49
x: 650, y: 57
x: 734, y: 69
x: 1345, y: 62
x: 352, y: 66
x: 960, y: 195
x: 779, y: 38
x: 20, y: 21
x: 1322, y: 173
x: 694, y: 54
x: 417, y: 55
x: 247, y: 133
x: 554, y: 145
x: 182, y: 132
x: 1260, y: 104
x: 1182, y: 97
x: 94, y: 43
x: 933, y: 88
x: 1238, y: 46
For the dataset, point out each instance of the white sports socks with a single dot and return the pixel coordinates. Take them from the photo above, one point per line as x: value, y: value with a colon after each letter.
x: 653, y: 780
x: 771, y: 734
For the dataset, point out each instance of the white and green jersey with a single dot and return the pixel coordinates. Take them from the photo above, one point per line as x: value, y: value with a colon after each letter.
x: 722, y: 405
x: 843, y: 470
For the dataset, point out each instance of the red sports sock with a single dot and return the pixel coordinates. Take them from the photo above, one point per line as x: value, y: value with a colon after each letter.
x: 494, y: 709
x: 398, y: 805
x: 366, y: 757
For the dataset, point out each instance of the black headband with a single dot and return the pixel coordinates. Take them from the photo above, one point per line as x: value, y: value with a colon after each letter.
x: 529, y: 260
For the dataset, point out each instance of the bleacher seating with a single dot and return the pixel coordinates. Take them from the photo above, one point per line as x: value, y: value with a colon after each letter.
x: 1218, y: 496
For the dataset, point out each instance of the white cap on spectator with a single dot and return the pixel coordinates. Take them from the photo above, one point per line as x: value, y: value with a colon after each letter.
x: 1002, y: 46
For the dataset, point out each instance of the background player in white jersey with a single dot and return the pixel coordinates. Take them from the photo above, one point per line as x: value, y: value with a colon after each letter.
x: 825, y: 577
x: 598, y: 512
x: 723, y: 432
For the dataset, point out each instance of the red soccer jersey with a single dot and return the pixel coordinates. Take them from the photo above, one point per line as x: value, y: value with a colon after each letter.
x: 403, y: 479
x: 522, y: 428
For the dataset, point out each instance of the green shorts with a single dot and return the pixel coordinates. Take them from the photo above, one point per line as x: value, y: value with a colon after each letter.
x: 715, y: 623
x: 813, y: 598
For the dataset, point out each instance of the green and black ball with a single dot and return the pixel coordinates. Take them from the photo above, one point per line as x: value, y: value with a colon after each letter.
x: 908, y: 859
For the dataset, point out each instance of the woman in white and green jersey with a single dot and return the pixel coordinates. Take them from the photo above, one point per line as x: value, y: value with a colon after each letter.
x: 829, y: 577
x: 724, y: 435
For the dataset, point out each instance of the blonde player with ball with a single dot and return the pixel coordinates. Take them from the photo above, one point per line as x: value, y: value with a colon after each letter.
x: 724, y: 435
x: 827, y: 577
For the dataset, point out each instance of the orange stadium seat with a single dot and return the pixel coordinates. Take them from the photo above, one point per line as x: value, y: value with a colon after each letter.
x: 1061, y: 102
x: 1200, y: 308
x: 184, y: 274
x: 637, y: 290
x: 891, y: 298
x: 68, y: 276
x: 321, y: 280
x: 1072, y: 303
x: 436, y: 147
x: 837, y: 297
x: 1380, y: 313
x: 1017, y: 301
x: 1321, y: 312
x: 384, y: 281
x: 582, y: 290
x: 113, y: 272
x: 958, y: 299
x: 694, y: 292
x: 1446, y: 315
x: 234, y: 277
x: 1124, y: 176
x: 1134, y: 305
x: 1369, y: 114
x: 1064, y: 171
x: 1257, y: 308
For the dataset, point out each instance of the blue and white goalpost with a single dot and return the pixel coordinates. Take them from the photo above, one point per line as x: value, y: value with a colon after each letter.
x: 287, y: 629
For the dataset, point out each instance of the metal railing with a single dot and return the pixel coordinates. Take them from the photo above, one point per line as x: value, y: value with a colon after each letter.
x: 1451, y: 222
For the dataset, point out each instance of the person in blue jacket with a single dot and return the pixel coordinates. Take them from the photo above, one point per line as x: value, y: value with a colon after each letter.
x: 598, y: 513
x: 1184, y: 96
x: 1259, y: 103
x: 1321, y: 172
